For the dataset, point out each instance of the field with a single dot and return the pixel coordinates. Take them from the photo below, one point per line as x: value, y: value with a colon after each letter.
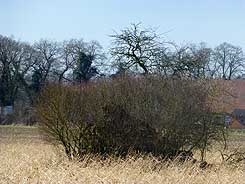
x: 26, y: 158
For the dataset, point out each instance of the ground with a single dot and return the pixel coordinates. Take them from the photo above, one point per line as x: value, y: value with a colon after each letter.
x: 26, y: 158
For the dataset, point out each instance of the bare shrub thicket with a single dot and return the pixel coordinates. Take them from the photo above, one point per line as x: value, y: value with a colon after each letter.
x: 142, y: 114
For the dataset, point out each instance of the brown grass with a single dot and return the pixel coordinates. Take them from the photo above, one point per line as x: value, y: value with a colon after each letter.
x: 25, y: 158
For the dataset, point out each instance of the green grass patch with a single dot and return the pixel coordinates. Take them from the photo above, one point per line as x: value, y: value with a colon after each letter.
x: 236, y: 134
x: 19, y: 133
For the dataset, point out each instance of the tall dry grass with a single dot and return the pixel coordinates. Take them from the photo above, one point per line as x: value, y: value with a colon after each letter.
x: 32, y: 160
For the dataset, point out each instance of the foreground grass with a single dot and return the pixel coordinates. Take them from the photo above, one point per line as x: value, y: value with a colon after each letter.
x: 25, y: 158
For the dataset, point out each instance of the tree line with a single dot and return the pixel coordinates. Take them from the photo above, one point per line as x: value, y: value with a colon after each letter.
x: 25, y: 67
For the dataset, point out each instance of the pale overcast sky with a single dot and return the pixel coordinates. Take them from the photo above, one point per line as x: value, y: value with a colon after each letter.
x: 211, y: 21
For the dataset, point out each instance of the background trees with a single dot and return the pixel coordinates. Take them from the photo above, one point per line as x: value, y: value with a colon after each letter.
x: 25, y: 68
x: 189, y: 61
x: 230, y: 60
x: 15, y: 61
x: 142, y: 50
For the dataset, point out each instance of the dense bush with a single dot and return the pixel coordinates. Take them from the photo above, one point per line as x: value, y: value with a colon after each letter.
x: 142, y: 114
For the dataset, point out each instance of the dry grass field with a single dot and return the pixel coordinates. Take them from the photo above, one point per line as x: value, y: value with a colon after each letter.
x: 26, y: 158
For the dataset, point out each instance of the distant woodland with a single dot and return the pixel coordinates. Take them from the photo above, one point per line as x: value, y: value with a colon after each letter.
x: 25, y: 68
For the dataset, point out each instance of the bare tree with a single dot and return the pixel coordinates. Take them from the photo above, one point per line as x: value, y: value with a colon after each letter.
x: 15, y: 63
x: 7, y: 54
x: 47, y: 54
x: 230, y: 60
x: 67, y: 60
x: 58, y: 61
x: 181, y: 62
x: 136, y: 48
x: 189, y: 61
x: 201, y: 59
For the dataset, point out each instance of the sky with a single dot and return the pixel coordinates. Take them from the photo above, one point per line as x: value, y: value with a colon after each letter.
x: 181, y: 21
